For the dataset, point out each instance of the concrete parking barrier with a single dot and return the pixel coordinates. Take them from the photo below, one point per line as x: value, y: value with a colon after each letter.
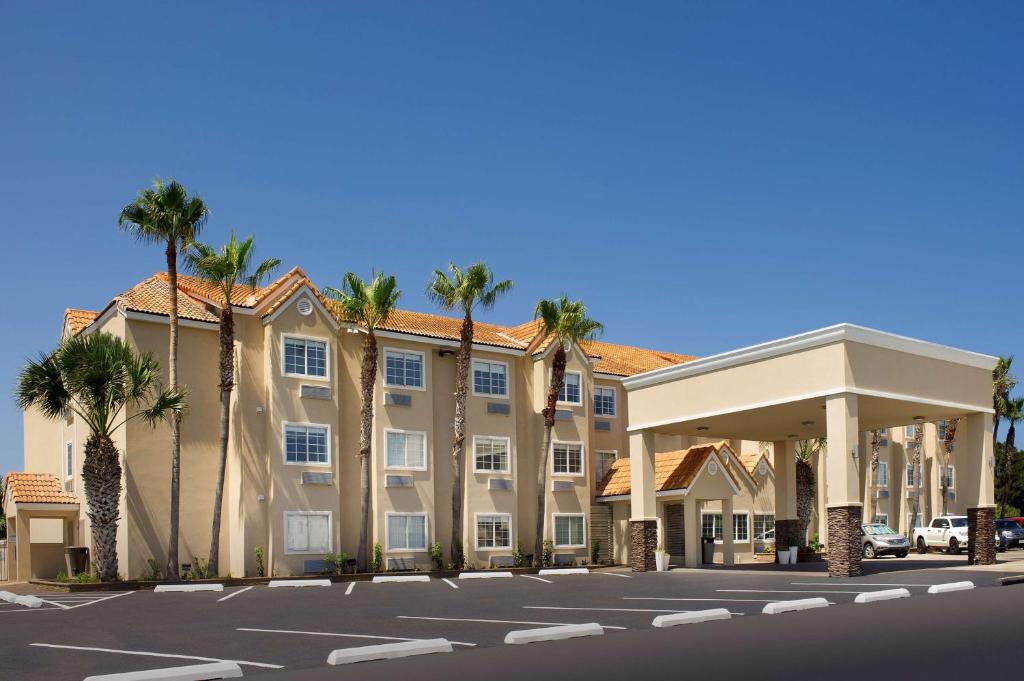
x: 553, y: 633
x: 384, y: 579
x: 194, y: 672
x: 564, y: 571
x: 780, y: 607
x: 886, y: 595
x: 28, y: 601
x: 277, y: 583
x: 389, y: 651
x: 691, y: 617
x: 187, y: 588
x: 7, y: 596
x: 484, y: 575
x: 950, y: 586
x: 1011, y: 580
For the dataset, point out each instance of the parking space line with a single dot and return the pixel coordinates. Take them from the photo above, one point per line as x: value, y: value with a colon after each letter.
x: 555, y: 607
x: 337, y: 635
x: 351, y: 585
x: 614, y: 574
x: 59, y: 605
x: 142, y: 653
x: 782, y: 591
x: 539, y: 579
x: 450, y: 583
x: 234, y: 593
x: 483, y: 621
x: 854, y: 583
x: 100, y: 600
x: 716, y: 600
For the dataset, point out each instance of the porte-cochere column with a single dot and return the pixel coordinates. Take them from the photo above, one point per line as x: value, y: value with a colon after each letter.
x: 842, y: 474
x: 643, y: 517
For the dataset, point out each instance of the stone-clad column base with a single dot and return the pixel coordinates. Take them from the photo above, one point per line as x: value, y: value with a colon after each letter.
x: 981, y: 535
x: 844, y: 542
x: 784, y: 529
x: 643, y: 539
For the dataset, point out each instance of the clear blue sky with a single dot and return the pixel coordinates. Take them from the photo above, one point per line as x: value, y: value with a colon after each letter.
x: 703, y: 175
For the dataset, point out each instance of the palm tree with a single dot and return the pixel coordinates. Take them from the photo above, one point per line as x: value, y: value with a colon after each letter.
x: 947, y: 449
x: 805, y: 482
x: 227, y: 267
x: 565, y: 323
x: 368, y: 304
x: 168, y: 216
x: 3, y: 515
x: 876, y: 443
x: 1003, y: 383
x: 1014, y: 412
x: 915, y: 466
x: 464, y: 291
x: 100, y: 378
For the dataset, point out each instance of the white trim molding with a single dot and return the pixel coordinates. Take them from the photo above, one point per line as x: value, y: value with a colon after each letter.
x: 162, y: 319
x: 291, y: 300
x: 447, y: 343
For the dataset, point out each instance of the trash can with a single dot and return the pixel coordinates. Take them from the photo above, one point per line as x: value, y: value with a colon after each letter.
x: 76, y: 558
x: 707, y: 550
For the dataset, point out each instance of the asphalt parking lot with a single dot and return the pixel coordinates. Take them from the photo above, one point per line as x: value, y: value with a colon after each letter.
x: 292, y: 630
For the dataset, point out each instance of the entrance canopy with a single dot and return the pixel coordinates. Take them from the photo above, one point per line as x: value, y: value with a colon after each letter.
x: 837, y: 382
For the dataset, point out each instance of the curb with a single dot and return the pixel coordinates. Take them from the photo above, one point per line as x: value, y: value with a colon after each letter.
x: 886, y: 595
x: 1010, y: 581
x: 385, y: 579
x: 483, y: 575
x: 564, y: 571
x: 389, y: 651
x: 691, y: 617
x: 553, y: 633
x: 277, y: 583
x: 187, y: 588
x: 194, y: 672
x: 951, y: 586
x: 780, y: 607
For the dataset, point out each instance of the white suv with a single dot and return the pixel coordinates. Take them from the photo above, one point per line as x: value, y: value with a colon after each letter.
x: 944, y: 532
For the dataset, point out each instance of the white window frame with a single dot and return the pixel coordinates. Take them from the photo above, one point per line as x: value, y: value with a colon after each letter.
x: 753, y: 532
x: 908, y: 432
x: 330, y: 533
x: 615, y: 402
x: 326, y: 378
x: 737, y: 514
x: 387, y: 532
x: 508, y: 454
x: 911, y: 476
x: 472, y: 378
x: 597, y: 454
x: 69, y: 448
x: 884, y: 519
x: 583, y: 459
x: 882, y: 466
x: 404, y: 351
x: 554, y: 534
x: 951, y: 475
x: 940, y: 429
x: 572, y: 404
x: 721, y: 523
x: 426, y: 450
x: 300, y: 424
x: 476, y: 531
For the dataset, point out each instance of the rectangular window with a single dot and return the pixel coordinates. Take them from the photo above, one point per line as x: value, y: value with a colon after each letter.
x: 883, y: 431
x: 570, y: 392
x: 711, y: 525
x: 566, y: 458
x: 403, y: 369
x: 305, y: 357
x: 604, y: 401
x: 908, y: 432
x: 764, y: 523
x: 494, y: 531
x: 407, y: 531
x: 69, y: 460
x: 882, y: 474
x: 604, y: 464
x: 490, y: 378
x: 910, y: 475
x: 569, y: 530
x: 881, y: 519
x: 406, y: 449
x: 306, y: 444
x: 307, y: 532
x: 490, y: 454
x: 941, y: 428
x: 740, y: 527
x: 950, y: 477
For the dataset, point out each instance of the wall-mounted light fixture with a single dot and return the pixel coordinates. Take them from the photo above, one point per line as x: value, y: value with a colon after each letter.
x: 702, y: 427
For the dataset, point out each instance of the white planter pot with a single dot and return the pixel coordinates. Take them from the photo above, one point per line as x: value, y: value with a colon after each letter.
x: 792, y: 555
x: 783, y: 557
x: 661, y: 560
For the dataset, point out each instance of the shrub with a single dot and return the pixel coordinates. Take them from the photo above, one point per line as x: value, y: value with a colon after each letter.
x: 595, y: 551
x: 200, y: 569
x: 518, y: 559
x: 153, y: 572
x: 80, y: 578
x: 260, y: 569
x: 377, y: 564
x: 547, y: 556
x: 336, y: 562
x: 437, y: 555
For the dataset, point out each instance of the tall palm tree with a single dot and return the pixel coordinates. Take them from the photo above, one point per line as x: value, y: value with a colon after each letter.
x: 368, y: 304
x: 805, y: 482
x: 226, y: 267
x: 915, y: 446
x: 1014, y: 412
x: 1003, y: 383
x: 100, y: 378
x: 168, y: 216
x: 463, y: 291
x: 565, y: 323
x: 947, y: 450
x: 876, y: 443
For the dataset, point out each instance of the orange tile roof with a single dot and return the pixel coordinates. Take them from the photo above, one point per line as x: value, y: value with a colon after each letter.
x: 626, y: 360
x: 672, y: 470
x: 241, y: 295
x: 151, y: 296
x: 76, y: 320
x: 449, y: 328
x: 750, y: 461
x: 37, y: 488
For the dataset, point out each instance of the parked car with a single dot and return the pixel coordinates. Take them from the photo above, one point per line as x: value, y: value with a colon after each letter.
x: 1011, y: 532
x: 882, y: 540
x: 1019, y: 520
x: 947, y: 532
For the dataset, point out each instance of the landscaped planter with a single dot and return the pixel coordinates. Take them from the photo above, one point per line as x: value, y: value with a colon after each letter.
x: 661, y: 560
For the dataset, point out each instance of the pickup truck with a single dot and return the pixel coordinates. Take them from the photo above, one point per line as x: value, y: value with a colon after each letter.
x: 944, y: 532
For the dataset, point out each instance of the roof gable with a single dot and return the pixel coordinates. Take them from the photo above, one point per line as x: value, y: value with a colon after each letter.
x: 677, y: 470
x: 37, y: 488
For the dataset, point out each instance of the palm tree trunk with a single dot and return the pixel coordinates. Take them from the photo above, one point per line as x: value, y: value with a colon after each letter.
x: 459, y: 438
x: 557, y: 378
x: 101, y: 473
x: 869, y: 515
x: 804, y: 499
x: 172, y: 369
x: 367, y: 380
x: 227, y: 383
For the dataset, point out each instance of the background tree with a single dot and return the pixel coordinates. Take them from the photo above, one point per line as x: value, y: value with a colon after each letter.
x: 805, y: 483
x: 566, y: 324
x: 1009, y: 483
x: 3, y: 514
x: 1013, y: 411
x: 876, y: 443
x: 914, y: 452
x: 226, y: 267
x: 100, y: 378
x: 369, y: 305
x: 463, y: 291
x: 1003, y: 383
x: 947, y: 450
x: 168, y: 216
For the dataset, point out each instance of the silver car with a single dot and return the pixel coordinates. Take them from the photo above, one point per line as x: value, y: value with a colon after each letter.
x: 881, y: 540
